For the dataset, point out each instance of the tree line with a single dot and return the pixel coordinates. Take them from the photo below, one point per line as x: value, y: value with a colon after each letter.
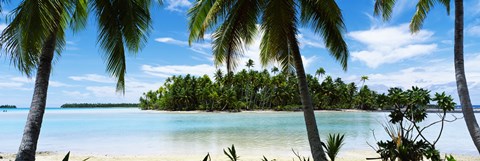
x: 8, y: 106
x: 259, y: 90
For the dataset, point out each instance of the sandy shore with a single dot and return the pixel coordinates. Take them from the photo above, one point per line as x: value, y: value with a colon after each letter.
x: 57, y: 156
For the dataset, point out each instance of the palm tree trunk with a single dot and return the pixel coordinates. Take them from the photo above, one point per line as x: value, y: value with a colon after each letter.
x: 462, y: 87
x: 31, y: 133
x: 313, y: 137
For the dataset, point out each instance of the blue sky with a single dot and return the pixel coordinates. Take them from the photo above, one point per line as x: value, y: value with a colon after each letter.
x: 384, y: 51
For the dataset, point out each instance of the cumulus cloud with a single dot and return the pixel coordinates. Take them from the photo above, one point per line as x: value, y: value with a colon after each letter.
x: 58, y: 84
x: 133, y: 90
x: 178, y: 5
x: 307, y: 40
x: 93, y: 78
x: 24, y: 83
x: 386, y: 45
x: 170, y: 70
x: 11, y: 84
x: 76, y: 94
x: 201, y: 48
x: 437, y: 77
x: 473, y: 30
x: 3, y: 26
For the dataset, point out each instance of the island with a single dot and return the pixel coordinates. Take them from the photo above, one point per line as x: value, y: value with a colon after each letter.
x: 8, y: 106
x: 99, y: 105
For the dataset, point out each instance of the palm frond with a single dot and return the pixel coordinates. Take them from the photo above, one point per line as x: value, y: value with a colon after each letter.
x: 325, y: 18
x: 204, y: 15
x: 277, y: 42
x: 79, y: 15
x: 238, y: 29
x: 122, y: 24
x: 32, y: 22
x: 423, y: 7
x: 385, y: 8
x: 334, y: 144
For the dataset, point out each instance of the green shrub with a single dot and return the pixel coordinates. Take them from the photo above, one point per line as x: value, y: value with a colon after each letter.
x: 334, y: 143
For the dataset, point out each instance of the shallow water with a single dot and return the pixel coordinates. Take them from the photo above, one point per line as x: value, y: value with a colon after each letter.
x: 127, y: 131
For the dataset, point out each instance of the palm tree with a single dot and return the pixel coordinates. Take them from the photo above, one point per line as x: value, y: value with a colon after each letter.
x: 37, y: 31
x: 385, y: 7
x: 279, y: 25
x: 249, y: 64
x: 274, y: 70
x: 320, y: 72
x: 363, y: 78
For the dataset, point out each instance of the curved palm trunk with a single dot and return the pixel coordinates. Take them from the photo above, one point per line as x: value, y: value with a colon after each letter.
x: 28, y: 146
x: 462, y: 87
x: 313, y: 137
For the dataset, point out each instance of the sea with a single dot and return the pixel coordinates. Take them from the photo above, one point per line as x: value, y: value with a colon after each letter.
x: 130, y: 131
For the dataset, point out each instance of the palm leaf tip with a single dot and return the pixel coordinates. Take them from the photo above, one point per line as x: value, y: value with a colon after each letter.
x: 384, y: 8
x: 123, y: 25
x: 325, y: 18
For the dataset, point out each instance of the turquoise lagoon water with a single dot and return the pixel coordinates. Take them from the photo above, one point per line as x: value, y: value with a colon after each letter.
x: 127, y: 131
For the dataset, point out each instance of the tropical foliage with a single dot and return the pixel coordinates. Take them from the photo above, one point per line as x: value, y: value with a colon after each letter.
x: 257, y: 90
x: 385, y: 8
x: 334, y: 143
x: 232, y: 156
x: 405, y: 127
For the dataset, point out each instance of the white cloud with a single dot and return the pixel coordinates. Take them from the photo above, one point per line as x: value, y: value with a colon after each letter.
x: 133, y: 90
x: 23, y: 79
x: 3, y: 26
x: 58, y: 84
x: 70, y: 42
x: 24, y: 83
x: 386, y: 45
x: 170, y: 70
x: 472, y: 7
x: 169, y: 40
x: 93, y: 78
x: 102, y: 91
x: 178, y: 5
x: 10, y: 84
x: 473, y: 30
x: 203, y: 48
x: 76, y: 94
x: 437, y: 77
x: 307, y: 41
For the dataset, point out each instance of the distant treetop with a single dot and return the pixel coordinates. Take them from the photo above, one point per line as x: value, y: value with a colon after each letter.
x: 8, y: 106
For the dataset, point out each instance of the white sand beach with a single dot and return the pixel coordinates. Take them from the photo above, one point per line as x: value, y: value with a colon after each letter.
x: 343, y: 156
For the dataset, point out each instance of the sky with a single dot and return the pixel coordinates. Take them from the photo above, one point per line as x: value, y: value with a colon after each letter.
x: 386, y: 52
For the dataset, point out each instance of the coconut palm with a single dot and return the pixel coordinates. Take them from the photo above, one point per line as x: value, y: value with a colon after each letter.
x: 37, y: 31
x: 320, y: 72
x: 363, y: 78
x: 274, y: 70
x: 384, y: 7
x: 249, y: 64
x: 279, y: 26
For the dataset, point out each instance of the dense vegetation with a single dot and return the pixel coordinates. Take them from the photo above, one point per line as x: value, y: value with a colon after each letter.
x: 407, y: 133
x: 103, y: 105
x: 258, y: 90
x: 8, y: 106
